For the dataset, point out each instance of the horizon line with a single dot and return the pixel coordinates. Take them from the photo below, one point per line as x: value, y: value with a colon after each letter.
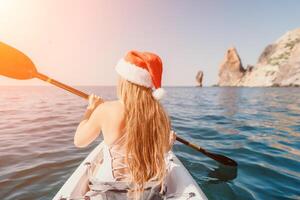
x: 91, y: 85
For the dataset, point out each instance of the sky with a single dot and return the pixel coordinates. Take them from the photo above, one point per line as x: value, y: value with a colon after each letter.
x: 79, y: 42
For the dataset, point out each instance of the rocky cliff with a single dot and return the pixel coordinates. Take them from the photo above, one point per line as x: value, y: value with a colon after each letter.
x: 278, y: 65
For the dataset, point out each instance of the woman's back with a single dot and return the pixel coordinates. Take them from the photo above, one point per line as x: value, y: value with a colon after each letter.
x: 113, y: 166
x: 113, y: 122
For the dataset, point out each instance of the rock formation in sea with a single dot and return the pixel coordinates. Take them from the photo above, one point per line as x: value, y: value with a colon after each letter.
x: 231, y: 70
x: 199, y: 78
x: 278, y: 65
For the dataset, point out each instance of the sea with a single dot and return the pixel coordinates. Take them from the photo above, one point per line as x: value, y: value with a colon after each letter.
x: 257, y: 127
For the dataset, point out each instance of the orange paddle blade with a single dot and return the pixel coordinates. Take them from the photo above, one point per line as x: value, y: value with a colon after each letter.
x: 15, y: 64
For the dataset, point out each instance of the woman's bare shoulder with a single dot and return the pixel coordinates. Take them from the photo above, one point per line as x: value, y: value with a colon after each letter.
x: 113, y: 104
x: 112, y: 107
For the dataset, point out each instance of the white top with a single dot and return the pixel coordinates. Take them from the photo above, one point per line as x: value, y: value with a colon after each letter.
x: 104, y: 171
x: 113, y: 168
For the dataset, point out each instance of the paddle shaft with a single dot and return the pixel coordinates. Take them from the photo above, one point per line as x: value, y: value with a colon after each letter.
x: 217, y: 157
x: 194, y: 146
x: 61, y: 85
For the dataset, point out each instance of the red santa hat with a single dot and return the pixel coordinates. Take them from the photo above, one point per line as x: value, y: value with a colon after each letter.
x: 142, y: 68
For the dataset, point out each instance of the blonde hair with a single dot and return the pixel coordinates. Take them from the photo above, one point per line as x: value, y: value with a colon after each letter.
x: 148, y: 131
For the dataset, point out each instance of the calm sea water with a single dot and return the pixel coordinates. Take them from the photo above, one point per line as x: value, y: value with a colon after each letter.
x: 258, y: 127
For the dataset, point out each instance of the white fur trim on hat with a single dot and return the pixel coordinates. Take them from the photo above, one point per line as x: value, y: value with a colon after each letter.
x: 158, y: 93
x: 133, y: 73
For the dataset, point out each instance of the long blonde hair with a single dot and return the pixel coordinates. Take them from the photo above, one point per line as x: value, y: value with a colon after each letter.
x: 147, y: 126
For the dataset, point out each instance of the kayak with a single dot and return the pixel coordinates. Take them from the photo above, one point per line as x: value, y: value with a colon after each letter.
x: 180, y: 183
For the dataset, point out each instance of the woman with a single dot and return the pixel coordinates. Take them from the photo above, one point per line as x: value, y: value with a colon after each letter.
x: 136, y: 129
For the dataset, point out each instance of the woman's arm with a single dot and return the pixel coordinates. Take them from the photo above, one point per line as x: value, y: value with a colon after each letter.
x: 90, y: 126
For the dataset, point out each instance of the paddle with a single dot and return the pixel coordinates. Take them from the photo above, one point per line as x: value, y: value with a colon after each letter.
x: 15, y: 64
x: 217, y: 157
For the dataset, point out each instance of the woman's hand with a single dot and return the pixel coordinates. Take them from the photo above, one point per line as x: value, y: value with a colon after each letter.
x: 94, y: 101
x: 172, y: 138
x: 90, y: 126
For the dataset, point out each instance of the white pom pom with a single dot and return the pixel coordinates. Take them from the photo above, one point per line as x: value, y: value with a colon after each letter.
x: 158, y: 93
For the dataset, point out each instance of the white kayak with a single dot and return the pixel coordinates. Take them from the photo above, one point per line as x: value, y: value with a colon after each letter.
x: 180, y: 184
